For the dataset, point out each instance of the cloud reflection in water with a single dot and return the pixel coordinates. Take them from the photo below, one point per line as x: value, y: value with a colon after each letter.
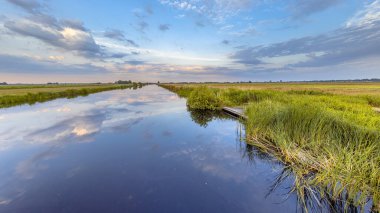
x: 78, y: 120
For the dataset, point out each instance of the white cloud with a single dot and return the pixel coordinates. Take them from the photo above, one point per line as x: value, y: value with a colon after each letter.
x: 56, y: 57
x: 61, y: 36
x: 358, y: 40
x: 367, y: 16
x: 248, y: 31
x: 216, y: 10
x: 81, y: 131
x: 161, y: 56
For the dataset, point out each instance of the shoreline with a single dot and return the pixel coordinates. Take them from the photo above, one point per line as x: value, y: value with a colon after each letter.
x: 10, y: 97
x: 329, y: 141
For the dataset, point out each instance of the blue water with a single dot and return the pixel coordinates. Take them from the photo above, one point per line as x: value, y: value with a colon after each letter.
x: 132, y: 151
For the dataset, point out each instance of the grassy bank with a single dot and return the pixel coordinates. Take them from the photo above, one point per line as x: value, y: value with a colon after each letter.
x: 330, y: 141
x: 30, y: 94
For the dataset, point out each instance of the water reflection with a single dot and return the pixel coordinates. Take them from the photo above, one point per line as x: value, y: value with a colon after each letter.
x: 136, y: 151
x: 27, y: 169
x: 309, y: 199
x: 79, y: 120
x: 203, y: 117
x: 315, y: 199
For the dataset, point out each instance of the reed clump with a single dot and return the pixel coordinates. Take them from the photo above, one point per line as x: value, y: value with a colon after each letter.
x: 203, y: 98
x: 337, y: 149
x: 330, y: 141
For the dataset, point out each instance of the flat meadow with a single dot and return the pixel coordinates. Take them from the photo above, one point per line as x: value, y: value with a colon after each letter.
x: 12, y: 95
x: 346, y: 88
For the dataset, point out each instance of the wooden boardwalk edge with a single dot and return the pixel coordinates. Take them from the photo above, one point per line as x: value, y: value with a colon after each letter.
x: 236, y: 112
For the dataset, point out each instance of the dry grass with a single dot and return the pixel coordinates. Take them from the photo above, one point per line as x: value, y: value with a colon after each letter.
x: 334, y: 88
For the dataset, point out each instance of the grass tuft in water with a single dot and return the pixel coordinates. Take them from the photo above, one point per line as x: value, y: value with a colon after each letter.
x: 203, y: 98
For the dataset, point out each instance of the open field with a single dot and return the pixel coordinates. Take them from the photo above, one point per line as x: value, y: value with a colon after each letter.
x: 328, y: 134
x: 24, y: 89
x: 355, y: 88
x: 11, y: 95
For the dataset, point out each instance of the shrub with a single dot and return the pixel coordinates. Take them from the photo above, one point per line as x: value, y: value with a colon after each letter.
x: 373, y: 100
x: 203, y: 98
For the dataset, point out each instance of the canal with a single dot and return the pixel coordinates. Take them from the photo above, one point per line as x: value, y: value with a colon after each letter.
x: 133, y: 151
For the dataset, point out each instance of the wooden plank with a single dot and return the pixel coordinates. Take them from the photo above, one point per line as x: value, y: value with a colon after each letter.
x: 235, y: 111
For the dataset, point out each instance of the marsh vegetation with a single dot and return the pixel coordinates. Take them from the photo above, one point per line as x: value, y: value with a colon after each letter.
x: 12, y: 95
x: 328, y: 138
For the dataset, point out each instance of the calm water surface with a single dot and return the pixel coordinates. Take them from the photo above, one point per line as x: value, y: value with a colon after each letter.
x: 131, y: 151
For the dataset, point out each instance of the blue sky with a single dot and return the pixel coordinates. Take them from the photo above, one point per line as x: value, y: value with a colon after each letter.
x: 188, y: 40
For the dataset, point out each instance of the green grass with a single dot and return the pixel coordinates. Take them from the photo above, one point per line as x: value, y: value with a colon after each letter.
x: 30, y: 94
x: 203, y: 98
x: 330, y: 141
x: 343, y: 88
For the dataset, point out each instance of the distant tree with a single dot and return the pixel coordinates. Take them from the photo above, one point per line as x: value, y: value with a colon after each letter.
x: 134, y: 85
x: 4, y: 83
x: 123, y: 82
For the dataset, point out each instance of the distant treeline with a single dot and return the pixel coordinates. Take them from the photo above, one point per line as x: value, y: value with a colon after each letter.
x: 56, y: 83
x: 280, y: 81
x: 123, y: 82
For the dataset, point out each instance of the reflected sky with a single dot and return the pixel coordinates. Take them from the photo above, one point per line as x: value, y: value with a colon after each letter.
x: 130, y: 150
x: 78, y: 119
